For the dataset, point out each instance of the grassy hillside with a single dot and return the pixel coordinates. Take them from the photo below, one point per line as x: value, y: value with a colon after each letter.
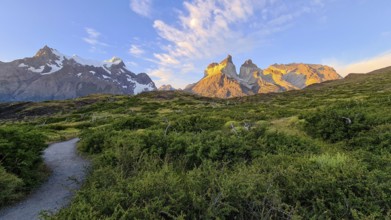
x: 323, y: 152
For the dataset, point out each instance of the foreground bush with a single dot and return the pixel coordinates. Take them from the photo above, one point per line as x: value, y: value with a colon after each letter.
x: 21, y: 165
x: 254, y: 174
x: 333, y: 124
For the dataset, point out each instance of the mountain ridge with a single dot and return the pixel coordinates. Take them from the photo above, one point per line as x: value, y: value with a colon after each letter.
x: 50, y: 75
x: 221, y: 80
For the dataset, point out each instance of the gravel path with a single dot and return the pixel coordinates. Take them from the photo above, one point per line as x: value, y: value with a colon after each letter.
x: 67, y: 166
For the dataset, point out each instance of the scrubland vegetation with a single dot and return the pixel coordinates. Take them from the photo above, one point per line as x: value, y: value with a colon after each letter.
x: 21, y: 167
x: 320, y: 153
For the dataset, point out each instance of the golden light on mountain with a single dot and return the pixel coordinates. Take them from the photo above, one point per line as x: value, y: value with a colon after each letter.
x: 221, y: 79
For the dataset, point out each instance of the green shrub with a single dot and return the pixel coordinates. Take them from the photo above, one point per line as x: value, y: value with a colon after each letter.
x: 279, y: 143
x: 133, y: 123
x: 197, y: 123
x: 335, y: 125
x: 376, y: 140
x: 10, y: 187
x: 92, y: 141
x: 20, y: 152
x: 21, y: 165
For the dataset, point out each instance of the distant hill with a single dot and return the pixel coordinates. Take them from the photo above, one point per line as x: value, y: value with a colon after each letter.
x: 221, y: 79
x: 166, y: 88
x: 50, y: 75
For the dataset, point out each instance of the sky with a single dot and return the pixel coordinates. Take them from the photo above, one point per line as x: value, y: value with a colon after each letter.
x: 174, y: 41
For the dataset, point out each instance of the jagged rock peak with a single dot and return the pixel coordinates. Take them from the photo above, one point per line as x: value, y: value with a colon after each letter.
x: 45, y: 52
x: 249, y: 63
x: 114, y: 60
x: 227, y: 60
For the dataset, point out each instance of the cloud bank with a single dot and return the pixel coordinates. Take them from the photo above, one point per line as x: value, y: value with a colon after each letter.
x: 362, y: 66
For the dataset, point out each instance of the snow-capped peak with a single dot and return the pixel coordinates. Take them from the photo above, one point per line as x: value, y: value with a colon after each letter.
x: 73, y: 75
x: 51, y: 60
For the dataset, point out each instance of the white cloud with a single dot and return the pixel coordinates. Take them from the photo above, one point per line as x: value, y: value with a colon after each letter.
x: 362, y: 66
x: 136, y: 50
x: 141, y: 7
x: 93, y: 39
x: 206, y: 29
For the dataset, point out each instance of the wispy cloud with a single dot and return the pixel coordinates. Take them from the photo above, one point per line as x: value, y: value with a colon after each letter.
x: 361, y: 66
x: 212, y: 28
x: 141, y: 7
x: 136, y: 50
x: 131, y: 63
x: 93, y: 39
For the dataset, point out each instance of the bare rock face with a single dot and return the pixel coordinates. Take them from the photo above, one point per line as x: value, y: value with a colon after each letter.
x: 300, y: 75
x: 221, y: 79
x: 51, y: 75
x: 249, y: 71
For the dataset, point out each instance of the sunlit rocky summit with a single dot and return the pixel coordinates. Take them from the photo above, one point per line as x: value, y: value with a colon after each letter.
x: 221, y: 79
x: 51, y: 75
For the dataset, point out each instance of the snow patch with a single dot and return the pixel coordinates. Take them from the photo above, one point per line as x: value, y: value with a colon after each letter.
x: 139, y: 88
x: 54, y: 68
x: 86, y: 62
x: 105, y: 68
x: 22, y: 65
x: 105, y: 64
x: 106, y: 77
x: 79, y: 74
x: 58, y: 54
x: 57, y: 64
x: 39, y: 70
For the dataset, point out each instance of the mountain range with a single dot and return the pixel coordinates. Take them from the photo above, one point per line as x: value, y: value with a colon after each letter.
x: 51, y: 75
x: 221, y: 79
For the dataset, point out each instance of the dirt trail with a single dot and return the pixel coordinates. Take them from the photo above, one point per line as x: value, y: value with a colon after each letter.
x: 67, y: 166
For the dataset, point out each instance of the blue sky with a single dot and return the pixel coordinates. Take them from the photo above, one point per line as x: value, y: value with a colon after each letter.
x: 173, y: 41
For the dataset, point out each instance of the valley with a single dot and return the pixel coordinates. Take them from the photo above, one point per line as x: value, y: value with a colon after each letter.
x: 321, y: 152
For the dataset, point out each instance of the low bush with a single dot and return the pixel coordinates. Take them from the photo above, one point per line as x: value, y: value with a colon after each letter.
x: 21, y: 165
x: 335, y: 125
